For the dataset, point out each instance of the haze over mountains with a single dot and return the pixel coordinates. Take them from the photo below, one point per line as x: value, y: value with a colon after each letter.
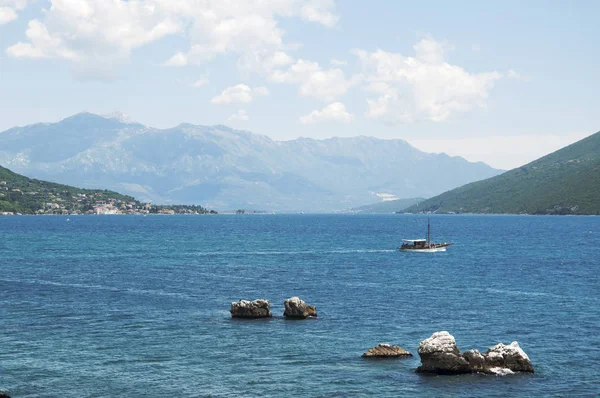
x: 223, y: 168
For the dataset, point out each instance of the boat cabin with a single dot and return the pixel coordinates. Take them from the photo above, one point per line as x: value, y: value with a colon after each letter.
x: 414, y: 243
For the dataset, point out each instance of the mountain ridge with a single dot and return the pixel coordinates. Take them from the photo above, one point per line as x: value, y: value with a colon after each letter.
x: 228, y: 168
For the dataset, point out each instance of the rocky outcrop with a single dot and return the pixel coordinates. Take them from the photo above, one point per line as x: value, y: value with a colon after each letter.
x: 386, y: 351
x: 251, y: 309
x: 510, y: 357
x: 4, y: 395
x: 298, y: 309
x: 476, y: 360
x: 440, y: 355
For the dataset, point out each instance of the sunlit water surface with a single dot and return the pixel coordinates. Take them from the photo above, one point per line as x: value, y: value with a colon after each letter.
x: 132, y: 306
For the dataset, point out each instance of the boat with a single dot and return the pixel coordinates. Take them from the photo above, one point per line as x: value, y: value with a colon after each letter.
x: 423, y: 245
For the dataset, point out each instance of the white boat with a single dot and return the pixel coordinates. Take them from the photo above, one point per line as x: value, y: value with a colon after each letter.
x: 423, y: 245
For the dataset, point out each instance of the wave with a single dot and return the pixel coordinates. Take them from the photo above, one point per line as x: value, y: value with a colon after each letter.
x: 292, y: 252
x: 112, y: 289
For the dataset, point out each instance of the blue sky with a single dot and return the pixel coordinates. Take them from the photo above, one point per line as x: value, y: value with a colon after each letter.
x: 502, y: 83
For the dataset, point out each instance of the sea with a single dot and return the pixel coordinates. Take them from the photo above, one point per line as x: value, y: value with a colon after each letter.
x: 138, y: 306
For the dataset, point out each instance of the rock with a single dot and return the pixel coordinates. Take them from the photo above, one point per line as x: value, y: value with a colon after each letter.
x: 476, y: 360
x: 386, y: 351
x: 4, y: 395
x: 440, y: 355
x: 510, y: 357
x: 296, y: 308
x: 251, y: 309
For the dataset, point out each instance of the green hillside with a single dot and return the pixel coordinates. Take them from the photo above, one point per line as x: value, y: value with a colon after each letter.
x: 564, y: 182
x: 19, y: 194
x: 388, y: 206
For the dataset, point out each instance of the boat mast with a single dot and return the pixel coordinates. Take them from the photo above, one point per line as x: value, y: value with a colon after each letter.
x: 428, y: 232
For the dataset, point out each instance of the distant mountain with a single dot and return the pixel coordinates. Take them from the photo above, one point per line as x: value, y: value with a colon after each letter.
x: 388, y: 206
x: 229, y: 169
x: 564, y: 182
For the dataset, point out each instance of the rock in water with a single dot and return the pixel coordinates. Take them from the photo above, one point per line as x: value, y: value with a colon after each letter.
x: 251, y: 309
x: 476, y: 360
x: 440, y: 355
x: 386, y: 351
x: 296, y: 308
x: 510, y: 357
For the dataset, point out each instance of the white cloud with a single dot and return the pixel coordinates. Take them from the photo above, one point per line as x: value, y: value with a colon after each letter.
x: 7, y: 14
x: 9, y: 8
x: 240, y: 93
x: 319, y: 11
x: 514, y: 75
x: 240, y: 115
x: 424, y: 87
x: 102, y: 33
x: 249, y: 28
x: 179, y: 59
x: 314, y: 82
x: 95, y: 35
x: 504, y: 152
x: 200, y: 82
x: 335, y: 112
x: 339, y: 62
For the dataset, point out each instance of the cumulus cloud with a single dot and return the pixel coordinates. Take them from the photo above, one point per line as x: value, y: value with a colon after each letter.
x: 95, y: 35
x: 335, y: 112
x: 179, y: 59
x: 240, y: 93
x: 315, y: 82
x: 9, y: 8
x: 423, y: 87
x: 104, y: 33
x: 320, y: 11
x: 240, y: 115
x: 200, y: 82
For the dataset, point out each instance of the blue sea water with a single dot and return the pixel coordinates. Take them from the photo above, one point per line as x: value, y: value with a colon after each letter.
x: 132, y: 306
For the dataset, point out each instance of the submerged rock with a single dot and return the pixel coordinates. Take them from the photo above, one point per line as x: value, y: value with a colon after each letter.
x: 251, y: 309
x: 296, y: 308
x: 386, y: 351
x: 440, y: 355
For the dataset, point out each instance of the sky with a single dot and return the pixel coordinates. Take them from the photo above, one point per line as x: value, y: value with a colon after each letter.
x: 498, y: 82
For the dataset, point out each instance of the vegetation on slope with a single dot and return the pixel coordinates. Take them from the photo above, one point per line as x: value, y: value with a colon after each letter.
x: 19, y: 194
x: 564, y: 182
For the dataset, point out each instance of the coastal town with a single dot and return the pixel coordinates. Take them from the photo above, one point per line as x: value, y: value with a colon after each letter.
x: 39, y: 197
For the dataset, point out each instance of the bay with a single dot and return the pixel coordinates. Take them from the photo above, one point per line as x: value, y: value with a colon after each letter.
x: 133, y: 306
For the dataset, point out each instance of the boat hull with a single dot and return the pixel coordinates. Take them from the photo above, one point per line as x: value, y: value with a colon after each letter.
x: 428, y: 250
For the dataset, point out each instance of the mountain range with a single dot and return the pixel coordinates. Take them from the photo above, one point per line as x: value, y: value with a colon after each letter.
x: 223, y: 168
x: 564, y: 182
